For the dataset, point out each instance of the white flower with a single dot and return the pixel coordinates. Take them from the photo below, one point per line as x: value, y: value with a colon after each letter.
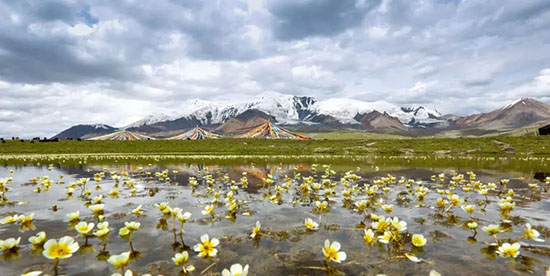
x: 9, y: 244
x: 531, y: 233
x: 310, y: 224
x: 236, y: 270
x: 418, y: 240
x: 206, y: 247
x: 84, y: 228
x: 64, y: 248
x: 256, y: 230
x: 509, y: 250
x: 331, y: 252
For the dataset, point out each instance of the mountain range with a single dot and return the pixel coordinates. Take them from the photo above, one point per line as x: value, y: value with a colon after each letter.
x: 303, y: 113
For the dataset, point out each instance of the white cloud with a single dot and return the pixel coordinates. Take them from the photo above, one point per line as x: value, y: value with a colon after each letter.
x: 378, y: 32
x: 253, y: 33
x: 15, y: 19
x: 384, y: 6
x: 255, y: 5
x: 538, y: 87
x: 81, y: 29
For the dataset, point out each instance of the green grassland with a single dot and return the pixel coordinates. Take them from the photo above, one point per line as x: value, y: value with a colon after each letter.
x: 353, y: 135
x: 517, y: 146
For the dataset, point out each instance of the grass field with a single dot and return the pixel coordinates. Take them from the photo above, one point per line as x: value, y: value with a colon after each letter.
x: 353, y: 135
x: 519, y: 146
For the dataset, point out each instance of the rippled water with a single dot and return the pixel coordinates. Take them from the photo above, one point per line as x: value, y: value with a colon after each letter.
x: 285, y: 247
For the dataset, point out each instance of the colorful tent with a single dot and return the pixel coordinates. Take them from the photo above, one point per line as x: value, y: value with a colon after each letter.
x: 271, y: 131
x: 195, y: 134
x: 122, y: 135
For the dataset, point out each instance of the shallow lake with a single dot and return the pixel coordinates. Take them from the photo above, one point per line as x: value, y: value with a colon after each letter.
x: 284, y: 246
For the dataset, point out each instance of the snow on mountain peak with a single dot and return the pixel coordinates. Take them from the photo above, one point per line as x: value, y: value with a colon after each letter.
x: 98, y: 126
x: 154, y: 118
x: 523, y: 101
x: 290, y: 109
x: 286, y: 108
x: 345, y: 110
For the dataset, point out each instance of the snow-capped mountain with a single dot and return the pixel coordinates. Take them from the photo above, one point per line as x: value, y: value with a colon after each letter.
x: 308, y: 114
x: 153, y: 119
x: 290, y: 110
x: 419, y: 116
x: 345, y: 110
x: 287, y: 109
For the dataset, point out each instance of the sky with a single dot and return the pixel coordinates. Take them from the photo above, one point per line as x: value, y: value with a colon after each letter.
x: 101, y: 61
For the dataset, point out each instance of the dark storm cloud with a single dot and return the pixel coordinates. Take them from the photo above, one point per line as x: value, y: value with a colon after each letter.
x: 478, y: 82
x: 216, y: 32
x: 51, y: 10
x: 209, y: 32
x: 88, y: 18
x: 43, y: 60
x: 30, y: 53
x: 304, y: 18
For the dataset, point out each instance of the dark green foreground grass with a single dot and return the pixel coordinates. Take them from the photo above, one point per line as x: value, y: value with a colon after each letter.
x: 518, y: 146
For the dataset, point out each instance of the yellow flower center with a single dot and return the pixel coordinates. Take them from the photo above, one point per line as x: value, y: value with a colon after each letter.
x: 417, y: 241
x: 367, y: 238
x: 331, y: 253
x: 59, y: 251
x: 510, y: 252
x: 207, y: 247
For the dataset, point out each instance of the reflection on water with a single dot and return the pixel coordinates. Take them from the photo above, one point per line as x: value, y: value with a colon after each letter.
x: 281, y: 197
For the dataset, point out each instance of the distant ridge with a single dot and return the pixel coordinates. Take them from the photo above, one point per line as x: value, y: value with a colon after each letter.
x: 85, y: 131
x: 520, y: 113
x: 306, y: 114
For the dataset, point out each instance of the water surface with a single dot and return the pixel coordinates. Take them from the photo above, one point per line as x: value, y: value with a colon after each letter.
x: 285, y: 247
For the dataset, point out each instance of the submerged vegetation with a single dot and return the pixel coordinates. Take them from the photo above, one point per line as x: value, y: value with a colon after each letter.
x: 170, y: 219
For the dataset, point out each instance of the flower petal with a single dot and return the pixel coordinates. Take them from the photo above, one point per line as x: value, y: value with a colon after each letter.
x: 336, y: 245
x: 215, y: 242
x: 236, y: 268
x: 412, y: 258
x: 342, y: 256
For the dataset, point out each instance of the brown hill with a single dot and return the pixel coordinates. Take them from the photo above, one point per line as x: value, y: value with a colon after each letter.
x: 245, y: 121
x: 380, y: 122
x: 521, y: 113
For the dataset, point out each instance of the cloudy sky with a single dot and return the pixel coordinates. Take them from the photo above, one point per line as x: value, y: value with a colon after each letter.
x: 102, y: 61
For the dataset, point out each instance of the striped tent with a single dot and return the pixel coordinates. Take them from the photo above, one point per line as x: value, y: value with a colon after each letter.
x: 122, y: 135
x: 271, y: 131
x: 195, y: 134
